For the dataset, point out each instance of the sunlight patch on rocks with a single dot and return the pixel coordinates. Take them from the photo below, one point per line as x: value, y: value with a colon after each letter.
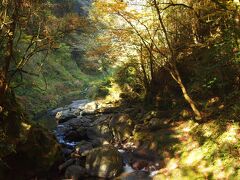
x: 26, y: 126
x: 114, y: 93
x: 229, y: 136
x: 194, y: 157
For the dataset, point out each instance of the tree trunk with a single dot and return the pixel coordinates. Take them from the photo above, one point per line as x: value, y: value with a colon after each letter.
x: 173, y: 69
x: 176, y: 76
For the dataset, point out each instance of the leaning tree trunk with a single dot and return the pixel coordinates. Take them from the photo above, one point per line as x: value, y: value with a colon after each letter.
x: 173, y: 69
x: 176, y: 76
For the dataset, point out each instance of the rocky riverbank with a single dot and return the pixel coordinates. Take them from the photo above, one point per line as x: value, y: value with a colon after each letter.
x: 98, y: 141
x: 113, y: 140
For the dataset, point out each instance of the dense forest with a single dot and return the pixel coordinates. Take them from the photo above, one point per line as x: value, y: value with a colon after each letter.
x: 119, y: 89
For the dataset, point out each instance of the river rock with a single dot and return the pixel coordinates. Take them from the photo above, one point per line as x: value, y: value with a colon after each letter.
x: 104, y: 162
x: 82, y: 132
x: 75, y: 172
x: 63, y: 116
x: 78, y: 104
x: 101, y: 130
x: 121, y: 126
x: 72, y: 136
x: 84, y: 146
x: 90, y: 108
x: 78, y: 122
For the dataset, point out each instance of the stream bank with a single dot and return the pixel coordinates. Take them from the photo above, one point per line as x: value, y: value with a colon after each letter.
x: 98, y: 141
x: 112, y: 140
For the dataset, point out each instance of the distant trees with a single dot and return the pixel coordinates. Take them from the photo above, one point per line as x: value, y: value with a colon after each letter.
x: 155, y: 34
x: 26, y: 29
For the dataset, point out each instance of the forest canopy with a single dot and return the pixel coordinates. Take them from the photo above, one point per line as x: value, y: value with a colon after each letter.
x: 156, y: 36
x: 157, y: 81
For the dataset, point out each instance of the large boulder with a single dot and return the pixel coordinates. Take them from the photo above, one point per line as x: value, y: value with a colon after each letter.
x: 79, y: 104
x: 90, y: 108
x: 72, y: 135
x: 122, y: 126
x: 84, y: 146
x: 35, y: 155
x: 100, y: 130
x: 65, y: 115
x: 104, y: 162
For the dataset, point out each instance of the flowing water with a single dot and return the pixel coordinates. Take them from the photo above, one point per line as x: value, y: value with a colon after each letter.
x: 60, y: 133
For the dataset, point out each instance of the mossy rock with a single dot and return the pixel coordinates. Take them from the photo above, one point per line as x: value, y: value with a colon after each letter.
x: 35, y: 156
x: 105, y: 162
x: 122, y: 126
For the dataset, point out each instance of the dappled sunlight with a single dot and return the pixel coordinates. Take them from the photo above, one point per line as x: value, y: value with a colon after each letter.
x: 103, y: 167
x: 95, y: 88
x: 172, y: 164
x: 186, y: 126
x: 215, y: 156
x: 26, y: 126
x: 193, y: 157
x: 230, y: 136
x: 114, y: 93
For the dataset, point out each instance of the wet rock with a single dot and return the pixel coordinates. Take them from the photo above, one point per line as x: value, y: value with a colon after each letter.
x: 63, y: 116
x: 103, y: 119
x: 79, y: 122
x: 82, y: 132
x: 72, y: 136
x: 101, y: 130
x: 75, y: 172
x: 78, y: 104
x: 76, y: 109
x: 92, y: 133
x: 84, y: 146
x: 105, y: 162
